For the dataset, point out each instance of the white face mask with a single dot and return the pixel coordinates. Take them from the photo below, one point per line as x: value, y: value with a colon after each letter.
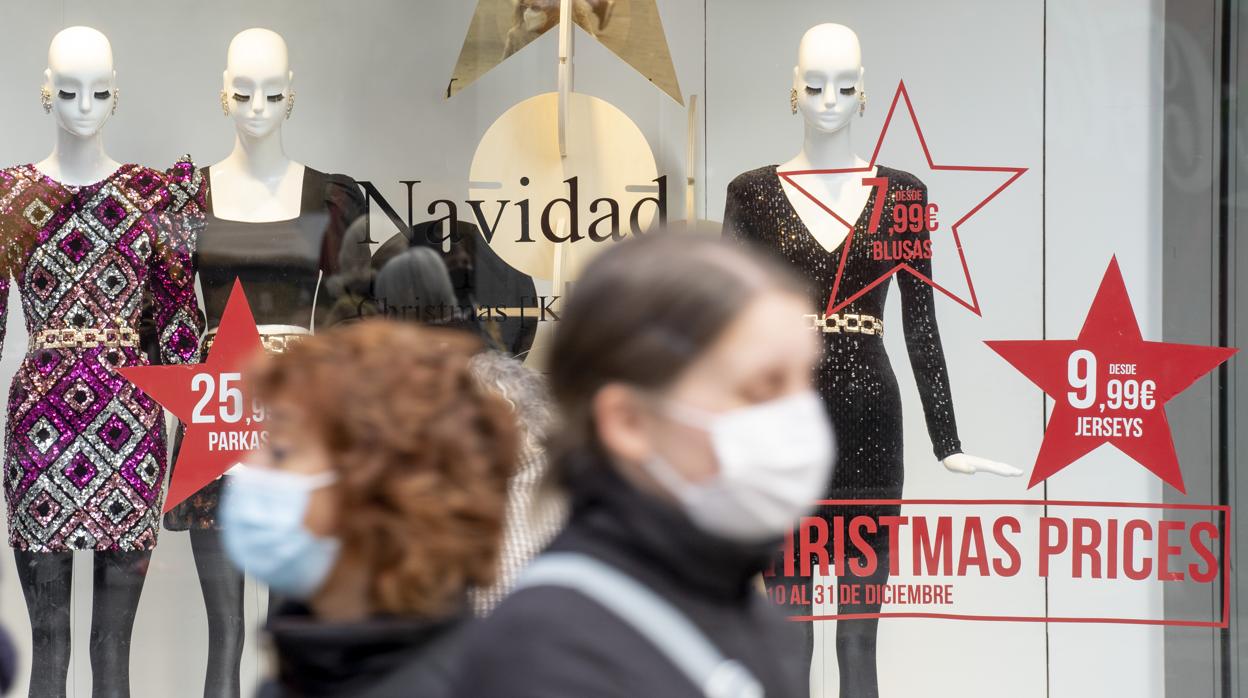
x: 775, y: 461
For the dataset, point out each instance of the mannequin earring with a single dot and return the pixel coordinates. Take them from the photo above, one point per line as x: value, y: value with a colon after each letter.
x: 116, y: 96
x: 862, y: 102
x: 290, y: 103
x: 45, y: 98
x: 793, y: 100
x: 225, y: 103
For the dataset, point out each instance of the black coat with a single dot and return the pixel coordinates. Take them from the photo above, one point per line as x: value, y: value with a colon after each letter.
x: 376, y: 658
x: 552, y: 642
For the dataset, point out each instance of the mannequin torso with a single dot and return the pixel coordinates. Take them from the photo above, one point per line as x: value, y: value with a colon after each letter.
x: 71, y: 167
x: 241, y: 191
x: 843, y: 192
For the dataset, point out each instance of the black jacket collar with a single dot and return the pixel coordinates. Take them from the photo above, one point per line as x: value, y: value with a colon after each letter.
x: 317, y: 658
x: 641, y: 533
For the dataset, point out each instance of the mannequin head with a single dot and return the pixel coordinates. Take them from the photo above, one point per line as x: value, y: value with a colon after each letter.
x: 828, y: 77
x: 257, y: 81
x: 81, y: 80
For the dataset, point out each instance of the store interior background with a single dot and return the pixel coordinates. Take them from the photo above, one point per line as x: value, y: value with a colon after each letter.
x: 1069, y: 89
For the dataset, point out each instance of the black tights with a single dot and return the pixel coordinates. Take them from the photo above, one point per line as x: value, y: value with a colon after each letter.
x: 855, y: 638
x: 47, y: 583
x: 222, y: 585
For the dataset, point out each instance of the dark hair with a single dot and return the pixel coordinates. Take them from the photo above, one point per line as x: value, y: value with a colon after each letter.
x: 423, y: 454
x: 415, y: 285
x: 641, y: 313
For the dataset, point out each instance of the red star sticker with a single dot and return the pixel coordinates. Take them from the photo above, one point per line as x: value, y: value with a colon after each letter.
x: 211, y: 401
x: 971, y: 303
x: 1110, y: 386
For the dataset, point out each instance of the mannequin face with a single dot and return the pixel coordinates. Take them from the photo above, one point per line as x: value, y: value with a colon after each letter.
x: 828, y: 77
x: 257, y: 82
x: 81, y: 79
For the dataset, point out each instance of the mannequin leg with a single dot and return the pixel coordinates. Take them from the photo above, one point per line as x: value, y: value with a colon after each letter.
x: 47, y: 580
x: 119, y: 578
x: 222, y: 585
x: 790, y: 585
x: 855, y: 638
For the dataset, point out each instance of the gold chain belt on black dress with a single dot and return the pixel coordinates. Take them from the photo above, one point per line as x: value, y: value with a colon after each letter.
x: 847, y: 322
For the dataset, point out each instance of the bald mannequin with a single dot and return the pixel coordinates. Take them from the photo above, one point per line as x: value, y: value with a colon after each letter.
x: 257, y: 182
x: 828, y: 79
x: 83, y: 84
x: 828, y: 84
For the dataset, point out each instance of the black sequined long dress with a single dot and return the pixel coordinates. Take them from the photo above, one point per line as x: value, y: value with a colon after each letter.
x: 855, y: 378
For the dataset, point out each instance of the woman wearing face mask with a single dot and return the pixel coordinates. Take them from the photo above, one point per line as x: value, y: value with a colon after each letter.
x: 376, y: 504
x: 692, y: 443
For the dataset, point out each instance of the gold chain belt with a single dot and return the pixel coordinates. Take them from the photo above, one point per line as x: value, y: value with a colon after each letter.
x: 84, y: 338
x: 273, y: 343
x: 847, y: 322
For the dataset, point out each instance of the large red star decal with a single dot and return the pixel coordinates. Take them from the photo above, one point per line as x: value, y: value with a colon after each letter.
x: 222, y: 422
x: 840, y: 297
x: 1109, y: 385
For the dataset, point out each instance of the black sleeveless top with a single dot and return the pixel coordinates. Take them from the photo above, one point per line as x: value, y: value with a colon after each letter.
x: 283, y: 265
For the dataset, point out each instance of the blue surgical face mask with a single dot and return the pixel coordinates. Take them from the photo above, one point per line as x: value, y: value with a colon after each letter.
x: 262, y: 512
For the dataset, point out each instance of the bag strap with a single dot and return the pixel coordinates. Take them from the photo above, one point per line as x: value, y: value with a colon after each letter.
x: 662, y: 624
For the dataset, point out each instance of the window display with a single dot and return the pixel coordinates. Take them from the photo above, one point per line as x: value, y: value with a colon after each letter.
x: 1046, y: 190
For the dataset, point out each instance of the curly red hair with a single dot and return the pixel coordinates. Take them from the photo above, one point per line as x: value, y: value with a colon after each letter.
x: 423, y: 454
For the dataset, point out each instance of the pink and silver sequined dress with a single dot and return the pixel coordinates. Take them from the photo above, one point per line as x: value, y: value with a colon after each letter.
x: 84, y: 449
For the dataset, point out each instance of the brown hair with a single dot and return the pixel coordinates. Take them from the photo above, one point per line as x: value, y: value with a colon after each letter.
x: 642, y: 312
x: 422, y: 452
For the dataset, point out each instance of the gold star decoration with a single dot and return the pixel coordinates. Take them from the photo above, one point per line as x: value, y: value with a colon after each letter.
x: 631, y: 29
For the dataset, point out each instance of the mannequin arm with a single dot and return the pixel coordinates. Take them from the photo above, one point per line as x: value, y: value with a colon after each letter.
x: 171, y: 273
x: 923, y: 345
x: 15, y: 238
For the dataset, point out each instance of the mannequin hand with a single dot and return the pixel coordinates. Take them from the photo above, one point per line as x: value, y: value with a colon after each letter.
x: 969, y: 465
